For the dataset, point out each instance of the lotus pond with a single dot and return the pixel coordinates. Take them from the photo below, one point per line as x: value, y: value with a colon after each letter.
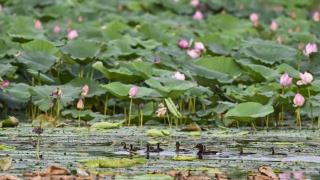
x: 170, y: 89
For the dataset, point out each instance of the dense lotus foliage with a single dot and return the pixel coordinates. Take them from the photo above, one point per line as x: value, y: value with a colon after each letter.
x: 227, y: 63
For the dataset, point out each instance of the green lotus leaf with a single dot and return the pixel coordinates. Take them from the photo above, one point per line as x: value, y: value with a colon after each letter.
x: 38, y: 61
x: 221, y: 64
x: 94, y: 87
x: 122, y: 91
x: 169, y: 87
x: 269, y: 52
x: 41, y: 96
x: 40, y: 46
x: 249, y: 111
x: 83, y: 51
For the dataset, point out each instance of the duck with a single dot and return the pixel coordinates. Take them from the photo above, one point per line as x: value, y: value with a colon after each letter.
x: 178, y: 148
x: 124, y: 146
x: 202, y: 150
x: 132, y: 148
x: 244, y: 153
x: 273, y: 152
x: 151, y: 149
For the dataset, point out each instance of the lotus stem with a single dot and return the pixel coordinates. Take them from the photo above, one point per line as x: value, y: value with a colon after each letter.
x: 38, y: 147
x: 81, y: 71
x: 253, y: 127
x: 309, y: 99
x: 106, y: 105
x: 298, y: 118
x: 194, y: 105
x: 168, y: 117
x: 58, y: 109
x: 130, y: 108
x: 141, y: 118
x: 79, y: 119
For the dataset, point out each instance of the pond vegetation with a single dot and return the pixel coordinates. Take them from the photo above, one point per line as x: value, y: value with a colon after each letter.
x: 148, y: 89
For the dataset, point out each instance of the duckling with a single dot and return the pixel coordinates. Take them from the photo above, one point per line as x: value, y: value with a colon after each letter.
x: 244, y: 153
x: 274, y: 152
x: 124, y: 146
x: 133, y: 149
x: 202, y: 150
x: 159, y: 149
x: 178, y: 148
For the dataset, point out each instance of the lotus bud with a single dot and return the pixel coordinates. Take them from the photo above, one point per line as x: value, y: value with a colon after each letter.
x: 157, y: 60
x: 72, y: 34
x: 183, y: 44
x: 197, y: 16
x: 199, y: 46
x: 194, y: 3
x: 1, y: 8
x: 273, y: 25
x: 298, y: 100
x: 85, y: 90
x: 254, y: 18
x: 285, y: 80
x: 38, y: 25
x: 56, y: 29
x: 133, y: 91
x: 179, y: 76
x: 80, y: 104
x: 316, y: 16
x: 193, y: 53
x: 4, y: 84
x: 310, y: 48
x: 305, y: 79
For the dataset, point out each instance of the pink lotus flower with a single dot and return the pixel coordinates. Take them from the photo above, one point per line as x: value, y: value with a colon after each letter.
x: 285, y: 80
x: 298, y: 175
x: 179, y: 76
x: 57, y: 93
x: 273, y: 25
x: 305, y: 79
x: 157, y: 60
x: 285, y: 176
x: 316, y: 16
x: 199, y: 46
x: 72, y: 34
x: 254, y: 18
x: 4, y: 84
x: 197, y: 16
x: 298, y: 100
x: 310, y: 48
x: 38, y: 25
x: 183, y: 44
x: 80, y: 104
x: 56, y: 29
x: 85, y: 90
x: 133, y: 91
x: 193, y: 53
x: 194, y: 3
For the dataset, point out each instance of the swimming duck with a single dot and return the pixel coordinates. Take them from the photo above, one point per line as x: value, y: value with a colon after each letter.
x: 202, y: 150
x: 124, y: 146
x: 178, y: 148
x: 274, y: 152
